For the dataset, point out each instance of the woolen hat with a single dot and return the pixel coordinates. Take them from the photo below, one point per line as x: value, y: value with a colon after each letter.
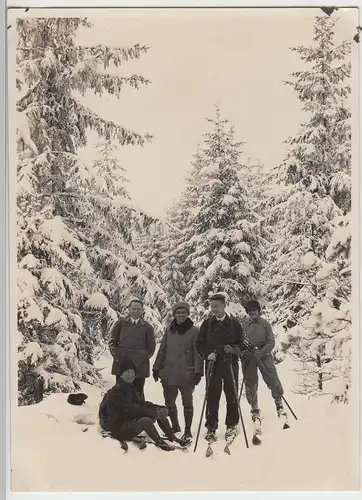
x: 126, y: 365
x: 181, y: 305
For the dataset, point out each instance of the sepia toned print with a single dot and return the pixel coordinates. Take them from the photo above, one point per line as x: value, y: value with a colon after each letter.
x: 183, y: 185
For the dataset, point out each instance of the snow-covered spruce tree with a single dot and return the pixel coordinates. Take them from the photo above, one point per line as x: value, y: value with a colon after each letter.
x: 322, y: 341
x: 312, y: 193
x: 320, y: 156
x: 121, y: 273
x: 179, y: 219
x: 55, y: 277
x: 221, y: 249
x: 304, y: 228
x: 158, y: 248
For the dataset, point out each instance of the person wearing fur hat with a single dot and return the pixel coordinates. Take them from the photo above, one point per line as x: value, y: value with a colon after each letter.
x: 133, y: 338
x: 260, y: 335
x: 178, y: 366
x: 125, y: 415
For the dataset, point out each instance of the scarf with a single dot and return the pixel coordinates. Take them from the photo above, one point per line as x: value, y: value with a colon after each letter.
x: 182, y: 328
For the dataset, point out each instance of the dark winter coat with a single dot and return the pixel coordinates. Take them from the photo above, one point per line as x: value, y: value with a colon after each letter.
x: 134, y: 342
x: 124, y: 405
x: 177, y: 359
x: 214, y: 335
x: 260, y: 334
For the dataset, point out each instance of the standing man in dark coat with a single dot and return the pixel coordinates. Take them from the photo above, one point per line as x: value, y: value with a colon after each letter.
x: 133, y: 339
x: 179, y: 366
x: 220, y: 339
x: 260, y: 335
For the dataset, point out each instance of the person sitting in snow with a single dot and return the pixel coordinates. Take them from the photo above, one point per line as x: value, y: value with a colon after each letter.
x: 260, y: 337
x: 125, y: 415
x: 220, y: 340
x: 178, y: 366
x: 133, y: 338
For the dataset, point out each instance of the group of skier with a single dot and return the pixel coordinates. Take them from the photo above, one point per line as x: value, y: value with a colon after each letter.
x: 185, y: 355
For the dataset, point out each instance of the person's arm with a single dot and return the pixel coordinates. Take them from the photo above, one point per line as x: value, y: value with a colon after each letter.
x: 114, y: 338
x: 201, y: 341
x: 238, y: 344
x: 270, y: 339
x: 133, y: 410
x: 150, y: 341
x: 161, y: 355
x: 198, y: 361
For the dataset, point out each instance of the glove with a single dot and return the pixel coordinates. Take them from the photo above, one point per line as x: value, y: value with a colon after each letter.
x: 155, y: 374
x: 197, y: 378
x: 212, y: 357
x: 162, y: 413
x: 229, y: 350
x: 258, y: 353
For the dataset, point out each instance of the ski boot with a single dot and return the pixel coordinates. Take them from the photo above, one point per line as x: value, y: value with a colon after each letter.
x: 183, y: 441
x: 282, y: 415
x: 231, y: 432
x: 164, y: 446
x: 210, y: 436
x: 255, y: 415
x: 187, y: 434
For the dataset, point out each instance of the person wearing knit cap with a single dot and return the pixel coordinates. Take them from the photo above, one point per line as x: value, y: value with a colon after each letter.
x: 181, y: 305
x: 133, y: 338
x: 178, y: 366
x: 260, y: 335
x: 220, y: 341
x: 125, y: 415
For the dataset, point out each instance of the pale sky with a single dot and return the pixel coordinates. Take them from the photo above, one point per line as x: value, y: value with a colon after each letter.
x: 237, y: 58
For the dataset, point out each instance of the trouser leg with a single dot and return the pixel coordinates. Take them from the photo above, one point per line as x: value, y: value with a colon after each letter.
x: 270, y: 376
x: 213, y: 399
x: 250, y: 373
x: 187, y: 402
x: 166, y: 428
x: 170, y: 394
x: 232, y: 411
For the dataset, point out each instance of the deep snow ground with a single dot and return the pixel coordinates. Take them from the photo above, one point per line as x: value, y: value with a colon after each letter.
x: 319, y: 452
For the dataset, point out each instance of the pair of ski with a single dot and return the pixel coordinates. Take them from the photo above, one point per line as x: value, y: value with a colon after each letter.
x: 256, y: 440
x: 229, y: 439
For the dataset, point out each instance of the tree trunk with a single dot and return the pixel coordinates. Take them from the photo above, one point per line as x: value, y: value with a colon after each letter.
x: 320, y: 375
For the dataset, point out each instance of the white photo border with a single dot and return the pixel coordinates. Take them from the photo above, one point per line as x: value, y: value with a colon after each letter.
x: 4, y: 253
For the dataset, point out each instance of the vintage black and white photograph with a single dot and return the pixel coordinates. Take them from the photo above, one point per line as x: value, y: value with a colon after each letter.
x: 184, y: 201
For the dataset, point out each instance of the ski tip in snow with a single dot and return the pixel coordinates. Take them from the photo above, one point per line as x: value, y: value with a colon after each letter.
x: 227, y: 450
x: 286, y: 426
x: 209, y: 452
x: 256, y: 441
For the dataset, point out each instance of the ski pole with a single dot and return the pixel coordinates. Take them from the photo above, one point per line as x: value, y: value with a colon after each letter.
x: 241, y: 389
x: 262, y: 369
x: 243, y: 380
x: 236, y: 396
x: 208, y: 378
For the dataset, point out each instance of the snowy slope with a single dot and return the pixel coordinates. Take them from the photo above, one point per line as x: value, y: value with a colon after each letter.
x: 51, y: 453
